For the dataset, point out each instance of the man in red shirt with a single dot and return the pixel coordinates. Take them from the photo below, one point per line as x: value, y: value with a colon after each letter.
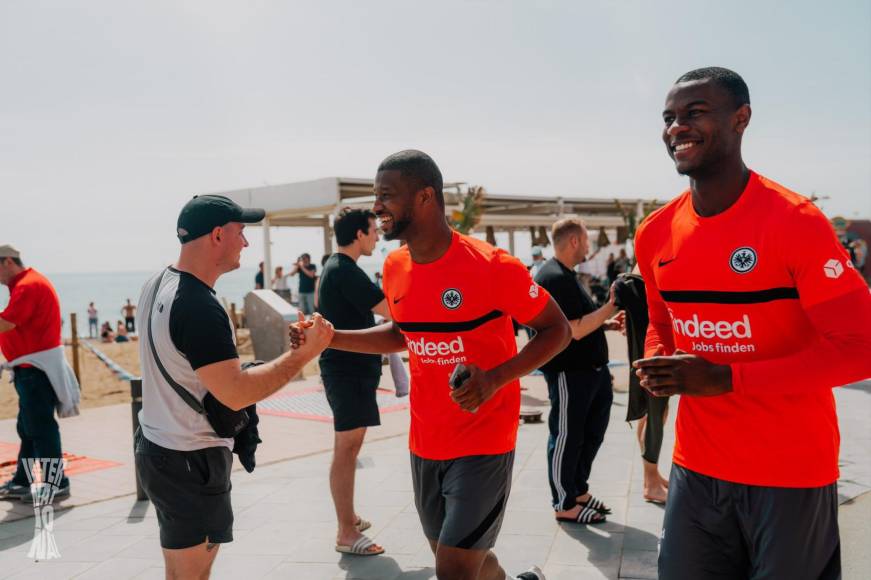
x: 30, y: 323
x: 756, y: 312
x: 452, y: 298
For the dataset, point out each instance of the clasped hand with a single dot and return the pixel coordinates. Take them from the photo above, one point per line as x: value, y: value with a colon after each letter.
x: 475, y: 391
x: 682, y: 374
x: 315, y: 334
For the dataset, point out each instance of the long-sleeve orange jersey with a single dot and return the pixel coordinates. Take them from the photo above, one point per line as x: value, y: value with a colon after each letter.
x: 766, y: 288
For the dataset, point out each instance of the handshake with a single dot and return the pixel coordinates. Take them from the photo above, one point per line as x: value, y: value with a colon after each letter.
x: 310, y: 337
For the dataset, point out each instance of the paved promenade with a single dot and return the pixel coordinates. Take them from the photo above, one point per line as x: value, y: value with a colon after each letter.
x: 284, y: 518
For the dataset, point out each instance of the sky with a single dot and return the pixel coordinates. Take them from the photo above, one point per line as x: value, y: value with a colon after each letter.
x: 114, y: 113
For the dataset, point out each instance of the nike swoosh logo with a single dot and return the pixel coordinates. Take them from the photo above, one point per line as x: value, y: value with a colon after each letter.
x: 666, y: 262
x: 396, y: 300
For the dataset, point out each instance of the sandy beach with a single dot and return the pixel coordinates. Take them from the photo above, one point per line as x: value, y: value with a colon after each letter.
x: 100, y: 385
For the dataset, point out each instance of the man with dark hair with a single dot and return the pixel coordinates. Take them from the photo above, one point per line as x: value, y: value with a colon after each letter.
x: 30, y: 327
x: 419, y: 170
x: 348, y: 299
x: 308, y: 274
x: 190, y: 363
x: 452, y: 298
x: 756, y: 312
x: 578, y: 380
x: 727, y: 80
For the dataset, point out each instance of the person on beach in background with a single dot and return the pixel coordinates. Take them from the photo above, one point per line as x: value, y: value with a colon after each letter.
x: 189, y: 344
x: 258, y: 278
x: 451, y: 298
x: 106, y: 332
x: 93, y: 321
x: 307, y: 275
x: 29, y: 326
x: 121, y: 333
x: 279, y: 283
x: 578, y: 379
x: 129, y: 312
x: 349, y: 300
x: 756, y: 312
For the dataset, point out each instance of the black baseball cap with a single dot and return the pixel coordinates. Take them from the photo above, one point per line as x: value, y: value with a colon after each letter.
x: 204, y: 213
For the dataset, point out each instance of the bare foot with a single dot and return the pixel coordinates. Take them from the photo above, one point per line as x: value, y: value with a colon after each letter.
x: 655, y: 492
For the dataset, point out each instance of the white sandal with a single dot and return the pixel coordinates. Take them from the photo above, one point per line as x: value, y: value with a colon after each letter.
x: 359, y: 548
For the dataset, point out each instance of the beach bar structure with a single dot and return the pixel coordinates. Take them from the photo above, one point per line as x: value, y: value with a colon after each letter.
x: 313, y: 203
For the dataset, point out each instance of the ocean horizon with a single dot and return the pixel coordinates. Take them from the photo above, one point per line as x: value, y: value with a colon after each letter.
x: 110, y: 290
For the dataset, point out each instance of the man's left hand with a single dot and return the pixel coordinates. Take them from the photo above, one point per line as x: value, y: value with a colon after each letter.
x: 617, y: 323
x: 683, y: 374
x: 476, y: 390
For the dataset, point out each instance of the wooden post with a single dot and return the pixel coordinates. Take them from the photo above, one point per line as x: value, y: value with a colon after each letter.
x: 75, y: 348
x: 235, y: 320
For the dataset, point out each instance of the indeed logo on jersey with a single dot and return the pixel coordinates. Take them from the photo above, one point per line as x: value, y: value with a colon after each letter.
x: 721, y: 329
x: 427, y: 349
x: 695, y: 328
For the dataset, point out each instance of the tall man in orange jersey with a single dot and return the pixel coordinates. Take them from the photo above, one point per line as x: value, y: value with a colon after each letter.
x: 452, y: 298
x: 755, y: 314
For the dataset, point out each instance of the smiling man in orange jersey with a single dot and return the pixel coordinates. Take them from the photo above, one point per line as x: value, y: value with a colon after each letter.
x: 452, y: 298
x: 755, y: 314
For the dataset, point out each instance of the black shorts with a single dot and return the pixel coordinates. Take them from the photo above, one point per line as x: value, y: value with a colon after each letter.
x: 723, y: 530
x: 461, y: 502
x: 352, y: 400
x: 190, y: 491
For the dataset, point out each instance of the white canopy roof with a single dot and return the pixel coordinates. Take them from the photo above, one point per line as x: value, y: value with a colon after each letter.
x: 312, y: 203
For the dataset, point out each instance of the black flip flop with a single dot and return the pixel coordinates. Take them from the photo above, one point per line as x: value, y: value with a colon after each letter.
x: 595, y: 503
x: 586, y: 516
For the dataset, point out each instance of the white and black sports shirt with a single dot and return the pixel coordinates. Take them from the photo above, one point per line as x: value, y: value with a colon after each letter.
x: 190, y: 329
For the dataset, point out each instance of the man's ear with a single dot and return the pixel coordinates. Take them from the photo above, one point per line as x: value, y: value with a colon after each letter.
x: 217, y: 234
x: 742, y: 118
x: 427, y: 195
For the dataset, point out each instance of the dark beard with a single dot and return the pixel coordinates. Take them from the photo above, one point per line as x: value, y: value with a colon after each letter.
x: 399, y: 226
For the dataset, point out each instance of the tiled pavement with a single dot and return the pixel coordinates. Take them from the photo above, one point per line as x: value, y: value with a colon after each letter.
x: 284, y: 521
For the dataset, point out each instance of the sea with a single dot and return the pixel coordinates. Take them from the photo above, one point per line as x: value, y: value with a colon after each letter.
x: 110, y: 290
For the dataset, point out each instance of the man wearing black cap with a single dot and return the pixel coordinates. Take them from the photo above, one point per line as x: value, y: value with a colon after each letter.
x: 188, y: 352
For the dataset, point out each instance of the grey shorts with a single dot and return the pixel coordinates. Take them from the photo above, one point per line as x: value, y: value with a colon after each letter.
x: 461, y: 502
x: 715, y: 529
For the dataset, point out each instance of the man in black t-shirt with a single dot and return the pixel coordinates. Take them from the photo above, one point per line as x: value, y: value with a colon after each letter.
x: 348, y: 299
x: 187, y: 349
x: 308, y: 272
x: 578, y: 380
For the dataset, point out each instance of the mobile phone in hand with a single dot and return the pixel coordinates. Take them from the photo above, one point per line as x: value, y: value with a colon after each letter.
x: 459, y: 376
